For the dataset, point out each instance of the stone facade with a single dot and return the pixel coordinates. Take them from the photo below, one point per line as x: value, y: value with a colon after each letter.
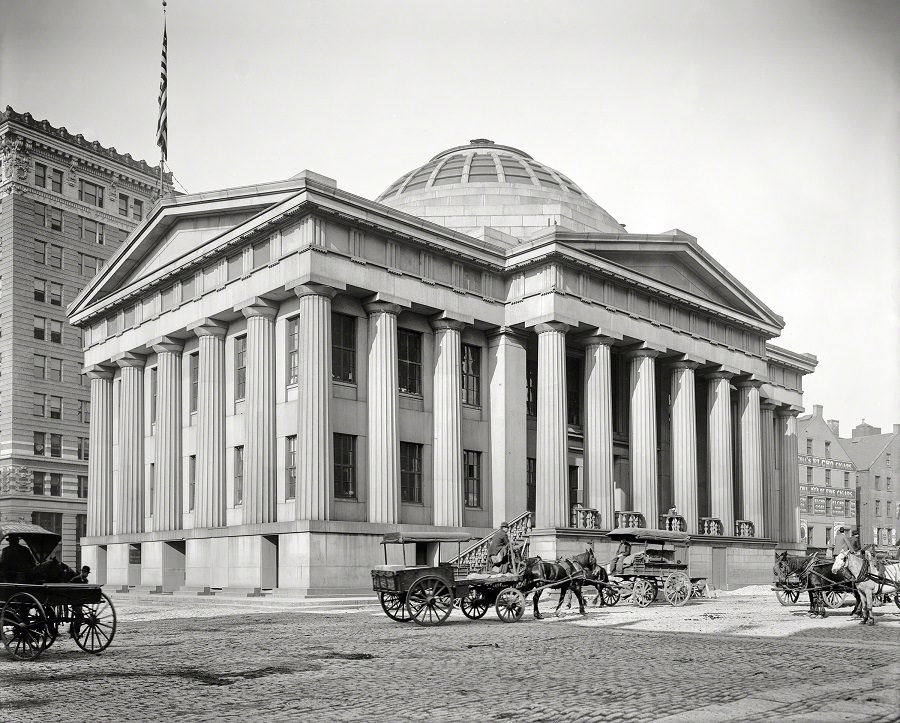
x: 351, y: 367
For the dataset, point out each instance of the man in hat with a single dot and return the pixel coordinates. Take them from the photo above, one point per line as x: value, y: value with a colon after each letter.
x: 498, y: 549
x: 842, y: 541
x: 16, y: 560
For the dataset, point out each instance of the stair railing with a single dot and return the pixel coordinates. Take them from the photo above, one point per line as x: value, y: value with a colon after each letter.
x: 475, y: 557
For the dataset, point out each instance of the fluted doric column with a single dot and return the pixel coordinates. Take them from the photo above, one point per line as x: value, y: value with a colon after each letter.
x: 771, y: 485
x: 790, y: 475
x: 598, y: 432
x: 752, y: 507
x: 130, y: 507
x: 447, y: 441
x: 314, y: 445
x: 552, y: 428
x: 684, y: 442
x: 383, y: 432
x: 209, y: 507
x: 100, y: 493
x: 259, y: 414
x: 642, y: 428
x: 167, y: 500
x: 721, y: 476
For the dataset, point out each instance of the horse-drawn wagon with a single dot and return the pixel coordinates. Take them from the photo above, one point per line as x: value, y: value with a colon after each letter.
x: 426, y: 594
x: 37, y: 600
x: 649, y: 561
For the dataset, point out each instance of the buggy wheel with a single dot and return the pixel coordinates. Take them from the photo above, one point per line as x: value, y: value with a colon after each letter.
x: 429, y: 601
x: 94, y: 625
x: 677, y: 589
x: 510, y: 605
x: 833, y: 599
x: 474, y: 605
x: 23, y: 626
x: 897, y: 599
x: 610, y: 595
x: 787, y: 597
x: 394, y: 606
x: 55, y: 613
x: 643, y: 593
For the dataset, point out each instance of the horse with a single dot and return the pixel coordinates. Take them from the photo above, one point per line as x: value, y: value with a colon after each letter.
x: 815, y: 576
x: 562, y: 576
x: 858, y: 569
x: 51, y: 570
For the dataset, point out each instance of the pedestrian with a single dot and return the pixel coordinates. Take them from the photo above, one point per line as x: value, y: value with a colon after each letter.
x: 842, y: 541
x: 498, y: 549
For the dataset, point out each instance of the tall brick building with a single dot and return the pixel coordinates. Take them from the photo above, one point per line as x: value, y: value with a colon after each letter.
x: 66, y: 203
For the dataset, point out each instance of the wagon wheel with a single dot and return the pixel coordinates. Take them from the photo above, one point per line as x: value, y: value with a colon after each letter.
x: 610, y: 595
x: 55, y: 615
x: 394, y: 606
x: 429, y: 601
x: 833, y: 598
x: 643, y: 593
x: 94, y: 625
x: 510, y: 605
x: 23, y: 626
x: 786, y: 596
x: 474, y: 605
x: 897, y: 599
x: 677, y: 589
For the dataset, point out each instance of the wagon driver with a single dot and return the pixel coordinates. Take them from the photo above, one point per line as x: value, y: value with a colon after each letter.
x: 498, y: 548
x: 843, y: 541
x: 16, y: 559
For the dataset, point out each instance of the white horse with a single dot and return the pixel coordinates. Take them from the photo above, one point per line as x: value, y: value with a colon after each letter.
x: 868, y: 582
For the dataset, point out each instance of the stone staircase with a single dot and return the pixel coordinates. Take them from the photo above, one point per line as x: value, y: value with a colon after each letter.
x: 475, y: 558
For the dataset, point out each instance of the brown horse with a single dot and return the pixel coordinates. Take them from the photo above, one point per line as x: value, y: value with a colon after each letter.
x: 815, y: 577
x: 563, y: 575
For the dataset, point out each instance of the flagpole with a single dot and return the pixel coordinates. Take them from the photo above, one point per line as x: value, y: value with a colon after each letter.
x: 163, y: 123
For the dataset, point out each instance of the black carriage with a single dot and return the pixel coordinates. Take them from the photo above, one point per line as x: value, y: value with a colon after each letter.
x: 426, y: 594
x: 788, y: 589
x: 657, y: 561
x: 34, y: 613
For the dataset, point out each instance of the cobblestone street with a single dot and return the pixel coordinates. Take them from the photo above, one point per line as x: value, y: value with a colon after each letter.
x: 737, y: 657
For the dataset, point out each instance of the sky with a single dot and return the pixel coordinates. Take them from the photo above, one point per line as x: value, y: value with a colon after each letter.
x: 768, y: 129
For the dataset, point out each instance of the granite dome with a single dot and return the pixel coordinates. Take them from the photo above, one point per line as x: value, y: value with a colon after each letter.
x: 484, y: 184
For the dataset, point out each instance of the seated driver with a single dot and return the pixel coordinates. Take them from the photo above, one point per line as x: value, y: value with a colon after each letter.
x: 16, y: 561
x: 498, y: 549
x: 621, y: 559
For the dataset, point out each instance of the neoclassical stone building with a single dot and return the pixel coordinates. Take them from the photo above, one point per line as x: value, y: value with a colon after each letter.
x: 282, y: 373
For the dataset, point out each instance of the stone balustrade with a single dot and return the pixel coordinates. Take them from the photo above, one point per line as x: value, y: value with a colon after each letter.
x: 630, y: 519
x: 675, y: 523
x: 475, y: 557
x: 711, y: 526
x: 744, y: 528
x: 584, y: 518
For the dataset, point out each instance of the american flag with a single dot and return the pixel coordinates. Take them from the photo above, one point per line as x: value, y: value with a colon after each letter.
x: 162, y: 123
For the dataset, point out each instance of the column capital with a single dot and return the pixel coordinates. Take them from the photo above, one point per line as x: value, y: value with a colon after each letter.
x: 720, y: 374
x: 167, y: 344
x: 258, y: 306
x: 557, y: 326
x: 599, y: 337
x: 788, y: 411
x: 447, y: 324
x: 98, y: 371
x: 767, y: 405
x: 381, y: 307
x: 129, y: 359
x: 748, y: 383
x: 209, y: 327
x: 302, y: 290
x: 642, y: 353
x: 684, y: 364
x: 507, y: 332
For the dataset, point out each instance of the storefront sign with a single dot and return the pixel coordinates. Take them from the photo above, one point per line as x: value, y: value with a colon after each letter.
x: 819, y: 505
x: 838, y: 508
x: 811, y: 461
x: 828, y: 491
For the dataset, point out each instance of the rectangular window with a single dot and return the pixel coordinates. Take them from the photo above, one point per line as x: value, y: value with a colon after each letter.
x: 240, y: 367
x: 809, y: 475
x: 878, y: 508
x: 188, y: 287
x: 471, y: 375
x: 573, y: 390
x: 84, y: 448
x: 39, y: 366
x: 261, y: 254
x: 37, y: 483
x: 40, y: 175
x: 531, y: 484
x: 827, y: 505
x: 138, y: 208
x: 238, y: 475
x: 40, y: 252
x: 409, y: 362
x: 293, y: 350
x: 809, y: 504
x: 82, y: 486
x: 472, y: 478
x: 54, y: 369
x: 887, y: 508
x: 828, y: 450
x: 55, y: 331
x: 56, y: 180
x: 192, y: 482
x: 54, y: 256
x: 92, y: 231
x: 888, y: 484
x: 123, y: 205
x: 345, y: 466
x: 167, y: 299
x: 809, y: 446
x: 55, y: 407
x: 55, y: 484
x: 343, y: 348
x: 84, y: 411
x: 154, y: 388
x: 235, y: 266
x: 410, y: 472
x: 56, y: 445
x: 51, y: 521
x: 40, y: 290
x: 55, y: 293
x: 877, y: 482
x: 151, y: 487
x: 828, y: 478
x: 828, y: 541
x: 40, y: 327
x: 40, y: 444
x: 90, y: 193
x: 130, y: 317
x: 39, y: 406
x: 846, y: 480
x: 194, y: 364
x: 55, y: 219
x: 531, y: 378
x: 80, y: 531
x: 290, y: 466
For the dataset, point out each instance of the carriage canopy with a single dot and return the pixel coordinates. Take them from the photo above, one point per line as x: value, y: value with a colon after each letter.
x: 42, y: 542
x: 642, y: 534
x: 403, y: 538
